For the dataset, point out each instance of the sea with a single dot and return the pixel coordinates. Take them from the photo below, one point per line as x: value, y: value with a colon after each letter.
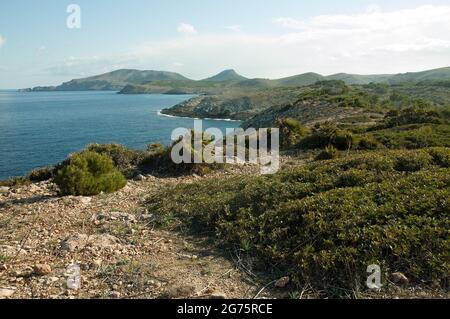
x: 39, y: 129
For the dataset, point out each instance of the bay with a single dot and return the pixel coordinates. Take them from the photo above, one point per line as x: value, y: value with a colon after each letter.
x: 42, y: 128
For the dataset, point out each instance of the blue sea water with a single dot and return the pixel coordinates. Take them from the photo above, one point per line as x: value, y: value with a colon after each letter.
x: 41, y: 128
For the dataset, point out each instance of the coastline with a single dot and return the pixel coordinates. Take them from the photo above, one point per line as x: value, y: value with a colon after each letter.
x: 196, y: 118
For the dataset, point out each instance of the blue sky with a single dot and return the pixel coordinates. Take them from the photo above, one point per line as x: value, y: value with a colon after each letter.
x: 272, y: 38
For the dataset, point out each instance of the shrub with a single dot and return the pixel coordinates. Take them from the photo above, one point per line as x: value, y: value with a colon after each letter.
x: 370, y: 161
x: 441, y: 156
x: 158, y: 160
x: 368, y: 143
x: 88, y: 173
x: 412, y: 115
x: 16, y: 181
x: 40, y: 174
x: 413, y: 136
x: 412, y: 161
x: 354, y: 178
x: 156, y: 149
x: 124, y: 158
x: 328, y: 153
x: 291, y: 131
x: 344, y: 140
x: 326, y: 134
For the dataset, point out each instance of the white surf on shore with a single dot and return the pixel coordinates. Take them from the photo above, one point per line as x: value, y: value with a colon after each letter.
x: 196, y: 118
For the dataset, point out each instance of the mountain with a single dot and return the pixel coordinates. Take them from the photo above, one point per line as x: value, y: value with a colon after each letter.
x: 224, y: 76
x: 300, y: 80
x: 429, y: 75
x: 357, y: 78
x: 435, y: 74
x: 115, y: 80
x: 135, y: 81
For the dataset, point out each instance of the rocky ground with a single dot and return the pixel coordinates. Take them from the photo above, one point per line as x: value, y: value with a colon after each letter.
x: 45, y: 238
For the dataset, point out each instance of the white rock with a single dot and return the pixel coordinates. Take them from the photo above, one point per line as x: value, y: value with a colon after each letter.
x: 81, y: 241
x: 4, y: 189
x: 6, y: 292
x: 84, y: 200
x: 112, y: 216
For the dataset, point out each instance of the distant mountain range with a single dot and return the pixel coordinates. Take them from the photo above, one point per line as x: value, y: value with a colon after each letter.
x: 134, y: 81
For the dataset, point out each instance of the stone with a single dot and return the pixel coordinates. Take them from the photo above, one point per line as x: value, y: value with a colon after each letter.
x: 180, y: 292
x: 399, y: 278
x: 139, y: 177
x: 4, y: 189
x: 42, y: 269
x: 282, y: 282
x: 74, y: 242
x: 82, y: 241
x: 96, y: 263
x: 6, y: 292
x: 84, y: 200
x: 115, y: 295
x: 34, y: 188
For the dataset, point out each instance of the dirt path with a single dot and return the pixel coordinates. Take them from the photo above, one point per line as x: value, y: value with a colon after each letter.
x: 112, y: 240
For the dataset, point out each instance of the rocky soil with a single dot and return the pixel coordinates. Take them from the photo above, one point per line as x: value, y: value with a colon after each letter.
x: 109, y: 239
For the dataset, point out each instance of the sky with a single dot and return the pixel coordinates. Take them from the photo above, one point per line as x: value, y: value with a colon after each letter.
x: 199, y: 38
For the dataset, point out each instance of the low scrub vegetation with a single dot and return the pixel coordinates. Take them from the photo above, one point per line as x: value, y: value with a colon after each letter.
x: 158, y: 160
x: 325, y: 222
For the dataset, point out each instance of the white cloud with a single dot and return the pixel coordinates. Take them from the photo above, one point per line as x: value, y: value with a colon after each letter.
x: 2, y: 41
x: 186, y: 29
x: 370, y: 42
x: 235, y: 28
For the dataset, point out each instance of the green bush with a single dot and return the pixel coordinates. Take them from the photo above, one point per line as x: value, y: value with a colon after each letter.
x: 369, y: 161
x: 88, y: 173
x: 412, y: 115
x: 291, y: 131
x: 41, y: 174
x: 344, y: 140
x: 368, y: 143
x: 441, y: 156
x: 354, y: 178
x: 413, y: 136
x: 125, y: 159
x: 326, y: 134
x: 412, y: 161
x: 158, y: 160
x: 330, y: 152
